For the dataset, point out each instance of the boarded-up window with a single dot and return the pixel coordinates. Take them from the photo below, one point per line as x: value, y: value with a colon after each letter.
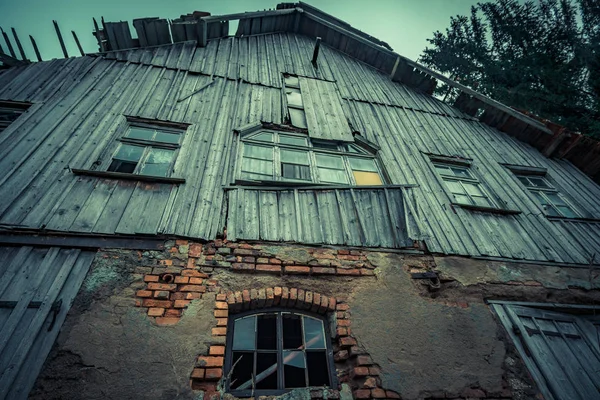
x: 560, y: 349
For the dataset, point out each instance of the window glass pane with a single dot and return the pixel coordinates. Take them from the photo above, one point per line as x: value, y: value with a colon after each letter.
x: 292, y: 81
x: 244, y: 367
x: 461, y: 172
x: 325, y: 145
x: 551, y: 211
x: 443, y: 170
x: 482, y: 201
x: 298, y: 118
x: 158, y: 162
x: 294, y: 157
x: 539, y: 182
x: 292, y: 140
x: 294, y: 367
x: 136, y: 132
x: 125, y: 167
x: 260, y: 152
x: 539, y: 197
x: 293, y: 171
x: 350, y: 148
x: 263, y: 137
x: 367, y: 178
x: 333, y: 176
x: 556, y: 199
x: 566, y: 211
x: 294, y: 98
x: 167, y: 137
x: 259, y: 167
x: 330, y: 161
x: 266, y: 332
x: 363, y: 164
x: 473, y: 189
x: 318, y: 370
x: 314, y: 336
x: 129, y: 153
x: 244, y: 333
x: 524, y: 180
x: 455, y: 187
x: 292, y: 331
x: 266, y: 371
x: 462, y: 199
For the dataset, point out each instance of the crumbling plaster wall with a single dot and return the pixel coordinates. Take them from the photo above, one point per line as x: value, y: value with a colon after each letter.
x: 428, y: 344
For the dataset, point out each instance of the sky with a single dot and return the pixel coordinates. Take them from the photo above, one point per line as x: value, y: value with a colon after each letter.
x: 404, y: 24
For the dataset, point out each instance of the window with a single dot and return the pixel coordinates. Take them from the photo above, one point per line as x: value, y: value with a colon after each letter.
x: 10, y: 111
x: 276, y: 351
x: 463, y: 186
x: 292, y: 157
x: 552, y: 202
x: 294, y: 101
x: 146, y: 150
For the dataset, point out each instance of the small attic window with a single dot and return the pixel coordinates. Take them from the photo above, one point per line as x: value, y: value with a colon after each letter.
x: 10, y: 111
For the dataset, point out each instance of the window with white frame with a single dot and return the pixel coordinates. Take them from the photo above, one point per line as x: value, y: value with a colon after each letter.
x: 146, y: 149
x: 292, y: 157
x: 553, y: 203
x: 463, y: 185
x: 294, y: 101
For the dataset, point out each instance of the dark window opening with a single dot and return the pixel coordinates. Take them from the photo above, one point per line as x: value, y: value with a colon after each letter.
x: 10, y: 111
x: 269, y: 353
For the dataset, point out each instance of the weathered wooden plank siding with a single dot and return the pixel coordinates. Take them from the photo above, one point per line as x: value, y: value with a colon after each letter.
x: 353, y: 217
x: 78, y: 112
x: 32, y: 280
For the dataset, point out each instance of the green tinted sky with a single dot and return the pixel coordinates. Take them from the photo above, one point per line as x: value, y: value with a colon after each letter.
x: 404, y: 24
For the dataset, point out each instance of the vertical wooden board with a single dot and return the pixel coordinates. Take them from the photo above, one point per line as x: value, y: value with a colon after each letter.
x: 288, y: 229
x: 269, y: 215
x: 94, y: 206
x: 26, y: 274
x: 353, y: 228
x: 71, y: 206
x: 252, y: 216
x: 155, y: 208
x: 135, y: 209
x: 329, y: 217
x: 309, y: 215
x: 115, y: 207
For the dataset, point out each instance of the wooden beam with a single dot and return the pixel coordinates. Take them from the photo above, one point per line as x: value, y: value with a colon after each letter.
x: 35, y: 48
x: 11, y: 61
x: 78, y: 44
x: 81, y: 241
x: 244, y: 15
x: 316, y: 52
x: 60, y: 39
x: 14, y: 32
x: 7, y: 40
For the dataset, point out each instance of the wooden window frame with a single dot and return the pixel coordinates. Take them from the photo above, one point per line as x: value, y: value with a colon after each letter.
x: 543, y: 191
x: 312, y: 151
x: 278, y: 311
x: 15, y: 107
x: 288, y: 105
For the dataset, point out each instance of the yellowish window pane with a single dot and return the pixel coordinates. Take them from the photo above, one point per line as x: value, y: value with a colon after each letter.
x: 367, y: 178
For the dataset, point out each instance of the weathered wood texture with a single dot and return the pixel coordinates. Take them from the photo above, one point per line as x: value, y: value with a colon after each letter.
x: 32, y: 281
x: 79, y: 108
x: 353, y: 217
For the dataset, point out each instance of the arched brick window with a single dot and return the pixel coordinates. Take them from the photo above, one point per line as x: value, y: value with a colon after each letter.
x: 272, y: 351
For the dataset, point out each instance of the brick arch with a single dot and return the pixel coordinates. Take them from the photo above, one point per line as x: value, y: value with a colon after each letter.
x: 280, y: 296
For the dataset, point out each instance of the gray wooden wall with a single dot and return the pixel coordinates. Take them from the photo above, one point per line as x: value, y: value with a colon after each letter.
x: 79, y: 106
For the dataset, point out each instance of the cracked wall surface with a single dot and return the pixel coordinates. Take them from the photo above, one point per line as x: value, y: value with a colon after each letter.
x: 425, y: 342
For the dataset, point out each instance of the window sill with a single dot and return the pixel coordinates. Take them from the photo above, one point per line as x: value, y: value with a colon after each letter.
x: 130, y: 177
x: 493, y: 210
x: 573, y: 219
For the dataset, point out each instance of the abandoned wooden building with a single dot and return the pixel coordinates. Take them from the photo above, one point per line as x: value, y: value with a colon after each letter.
x: 286, y: 210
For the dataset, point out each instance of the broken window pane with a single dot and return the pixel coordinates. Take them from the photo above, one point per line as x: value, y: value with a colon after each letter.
x: 294, y: 98
x: 292, y: 331
x: 158, y: 162
x: 318, y: 372
x: 266, y: 370
x: 244, y: 366
x: 539, y: 182
x: 292, y: 81
x: 126, y: 159
x: 244, y: 331
x: 294, y: 373
x: 298, y: 118
x: 267, y: 332
x: 314, y: 336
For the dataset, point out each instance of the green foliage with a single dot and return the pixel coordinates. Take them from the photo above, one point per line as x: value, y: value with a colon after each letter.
x: 542, y: 56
